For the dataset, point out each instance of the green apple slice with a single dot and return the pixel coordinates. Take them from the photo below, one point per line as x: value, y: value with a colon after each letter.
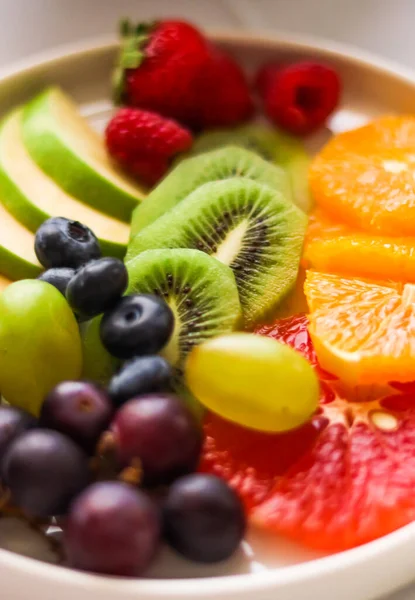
x: 17, y: 255
x: 4, y: 282
x: 63, y: 145
x: 36, y: 197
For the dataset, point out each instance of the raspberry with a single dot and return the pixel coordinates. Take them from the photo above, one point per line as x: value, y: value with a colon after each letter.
x: 144, y: 143
x: 299, y: 97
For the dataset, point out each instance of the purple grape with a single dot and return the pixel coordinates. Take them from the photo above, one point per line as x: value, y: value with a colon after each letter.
x: 204, y: 519
x: 112, y: 529
x: 162, y: 432
x: 79, y: 409
x: 13, y: 422
x: 44, y: 471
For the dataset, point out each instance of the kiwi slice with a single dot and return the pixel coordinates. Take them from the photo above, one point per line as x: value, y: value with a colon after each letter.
x: 272, y: 145
x: 189, y: 174
x: 257, y: 138
x: 250, y: 227
x: 199, y: 289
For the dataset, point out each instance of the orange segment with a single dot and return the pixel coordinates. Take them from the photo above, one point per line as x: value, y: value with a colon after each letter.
x: 363, y: 256
x: 322, y: 225
x: 366, y: 177
x: 363, y: 332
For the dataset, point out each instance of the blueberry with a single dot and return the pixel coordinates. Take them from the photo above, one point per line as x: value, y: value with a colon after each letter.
x: 142, y: 375
x: 138, y: 325
x: 97, y: 286
x: 60, y: 242
x: 204, y: 519
x: 79, y: 409
x: 58, y: 277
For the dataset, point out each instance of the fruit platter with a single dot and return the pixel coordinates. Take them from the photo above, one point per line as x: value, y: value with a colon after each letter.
x: 207, y: 307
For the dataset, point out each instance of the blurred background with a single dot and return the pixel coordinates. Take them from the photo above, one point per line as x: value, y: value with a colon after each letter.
x: 381, y: 26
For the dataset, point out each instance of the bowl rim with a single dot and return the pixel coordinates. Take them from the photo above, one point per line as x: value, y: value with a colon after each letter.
x: 227, y: 586
x: 257, y: 38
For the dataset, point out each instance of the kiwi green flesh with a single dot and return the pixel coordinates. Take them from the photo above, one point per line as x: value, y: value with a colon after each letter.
x: 250, y: 227
x: 188, y: 175
x: 272, y: 145
x: 256, y: 138
x: 200, y: 290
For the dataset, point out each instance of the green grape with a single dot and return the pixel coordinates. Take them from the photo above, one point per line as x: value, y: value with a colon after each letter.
x: 40, y: 343
x: 254, y: 381
x: 98, y: 364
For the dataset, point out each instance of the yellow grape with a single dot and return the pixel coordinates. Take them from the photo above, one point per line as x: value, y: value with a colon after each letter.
x: 254, y: 381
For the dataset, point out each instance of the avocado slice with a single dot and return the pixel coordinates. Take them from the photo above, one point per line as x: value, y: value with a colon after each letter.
x: 17, y: 254
x: 36, y: 197
x: 63, y: 145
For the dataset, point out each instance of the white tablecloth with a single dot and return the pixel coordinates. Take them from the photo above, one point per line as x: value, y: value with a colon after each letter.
x: 385, y: 27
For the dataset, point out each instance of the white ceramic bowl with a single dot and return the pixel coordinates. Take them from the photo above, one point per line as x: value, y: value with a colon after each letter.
x: 267, y: 567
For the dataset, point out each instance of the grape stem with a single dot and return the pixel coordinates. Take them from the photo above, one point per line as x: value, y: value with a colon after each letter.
x: 105, y: 463
x: 132, y: 474
x: 5, y: 498
x: 106, y: 444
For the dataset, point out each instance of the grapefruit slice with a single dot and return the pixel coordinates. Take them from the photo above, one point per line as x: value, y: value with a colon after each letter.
x: 355, y: 484
x: 363, y: 331
x: 345, y: 478
x: 365, y: 177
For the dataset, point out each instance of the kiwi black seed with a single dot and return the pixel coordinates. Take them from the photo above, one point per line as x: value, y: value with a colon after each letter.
x: 200, y: 290
x: 193, y: 172
x: 275, y: 146
x: 261, y: 242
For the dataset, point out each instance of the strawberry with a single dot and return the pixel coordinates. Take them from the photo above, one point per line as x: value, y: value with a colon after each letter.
x: 299, y: 97
x: 222, y: 92
x: 265, y: 77
x: 144, y: 143
x: 158, y: 65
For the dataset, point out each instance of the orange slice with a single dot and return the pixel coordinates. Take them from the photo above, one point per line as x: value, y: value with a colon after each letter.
x: 363, y: 332
x: 321, y: 225
x: 366, y: 177
x: 363, y: 256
